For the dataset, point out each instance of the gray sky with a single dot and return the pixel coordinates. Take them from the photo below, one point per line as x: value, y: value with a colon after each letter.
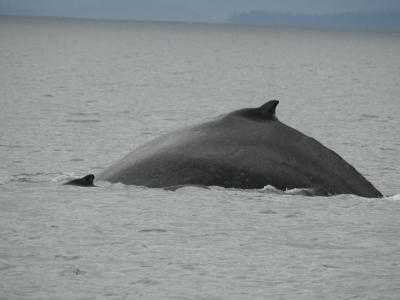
x: 186, y: 10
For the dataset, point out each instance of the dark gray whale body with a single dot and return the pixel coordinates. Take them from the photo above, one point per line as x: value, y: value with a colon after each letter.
x: 248, y: 149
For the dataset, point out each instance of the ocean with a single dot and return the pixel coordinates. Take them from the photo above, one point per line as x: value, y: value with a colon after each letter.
x: 77, y: 95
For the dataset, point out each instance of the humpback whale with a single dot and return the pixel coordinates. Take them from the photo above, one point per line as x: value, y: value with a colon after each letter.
x: 247, y: 149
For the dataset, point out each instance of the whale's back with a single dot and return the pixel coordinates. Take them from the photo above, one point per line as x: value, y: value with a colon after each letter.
x: 240, y: 150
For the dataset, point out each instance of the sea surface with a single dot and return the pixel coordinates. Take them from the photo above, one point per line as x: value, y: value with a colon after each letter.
x: 77, y: 95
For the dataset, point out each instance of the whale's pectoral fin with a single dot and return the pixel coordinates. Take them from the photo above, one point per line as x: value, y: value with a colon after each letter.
x: 268, y: 109
x: 84, y: 181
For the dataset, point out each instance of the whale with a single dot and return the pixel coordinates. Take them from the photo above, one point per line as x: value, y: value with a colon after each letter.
x: 248, y: 148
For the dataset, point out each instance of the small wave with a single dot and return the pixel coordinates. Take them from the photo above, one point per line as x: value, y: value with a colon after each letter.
x: 71, y: 272
x: 269, y: 189
x: 83, y: 114
x: 395, y: 197
x: 66, y: 257
x: 83, y: 121
x: 267, y: 212
x: 302, y: 192
x: 63, y: 177
x: 24, y: 180
x: 153, y: 230
x: 388, y: 149
x: 28, y: 177
x: 369, y: 116
x: 7, y: 267
x: 10, y: 146
x: 146, y: 281
x: 4, y: 179
x: 77, y: 159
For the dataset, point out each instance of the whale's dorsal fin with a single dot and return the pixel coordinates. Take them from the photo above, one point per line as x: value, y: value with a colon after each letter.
x: 268, y: 109
x: 265, y: 112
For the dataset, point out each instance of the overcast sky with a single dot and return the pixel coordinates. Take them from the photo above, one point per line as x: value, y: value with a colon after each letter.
x: 196, y: 10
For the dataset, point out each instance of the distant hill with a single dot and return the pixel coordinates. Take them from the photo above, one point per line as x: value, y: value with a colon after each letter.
x: 384, y: 20
x: 202, y: 11
x: 100, y: 9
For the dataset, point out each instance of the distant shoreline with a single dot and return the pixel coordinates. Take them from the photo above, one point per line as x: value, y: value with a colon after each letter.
x: 231, y: 22
x: 382, y: 17
x: 377, y: 21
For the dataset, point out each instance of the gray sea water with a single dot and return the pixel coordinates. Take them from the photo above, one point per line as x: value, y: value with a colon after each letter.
x: 77, y: 95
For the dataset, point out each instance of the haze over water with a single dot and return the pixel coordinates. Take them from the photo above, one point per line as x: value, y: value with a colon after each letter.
x: 78, y: 95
